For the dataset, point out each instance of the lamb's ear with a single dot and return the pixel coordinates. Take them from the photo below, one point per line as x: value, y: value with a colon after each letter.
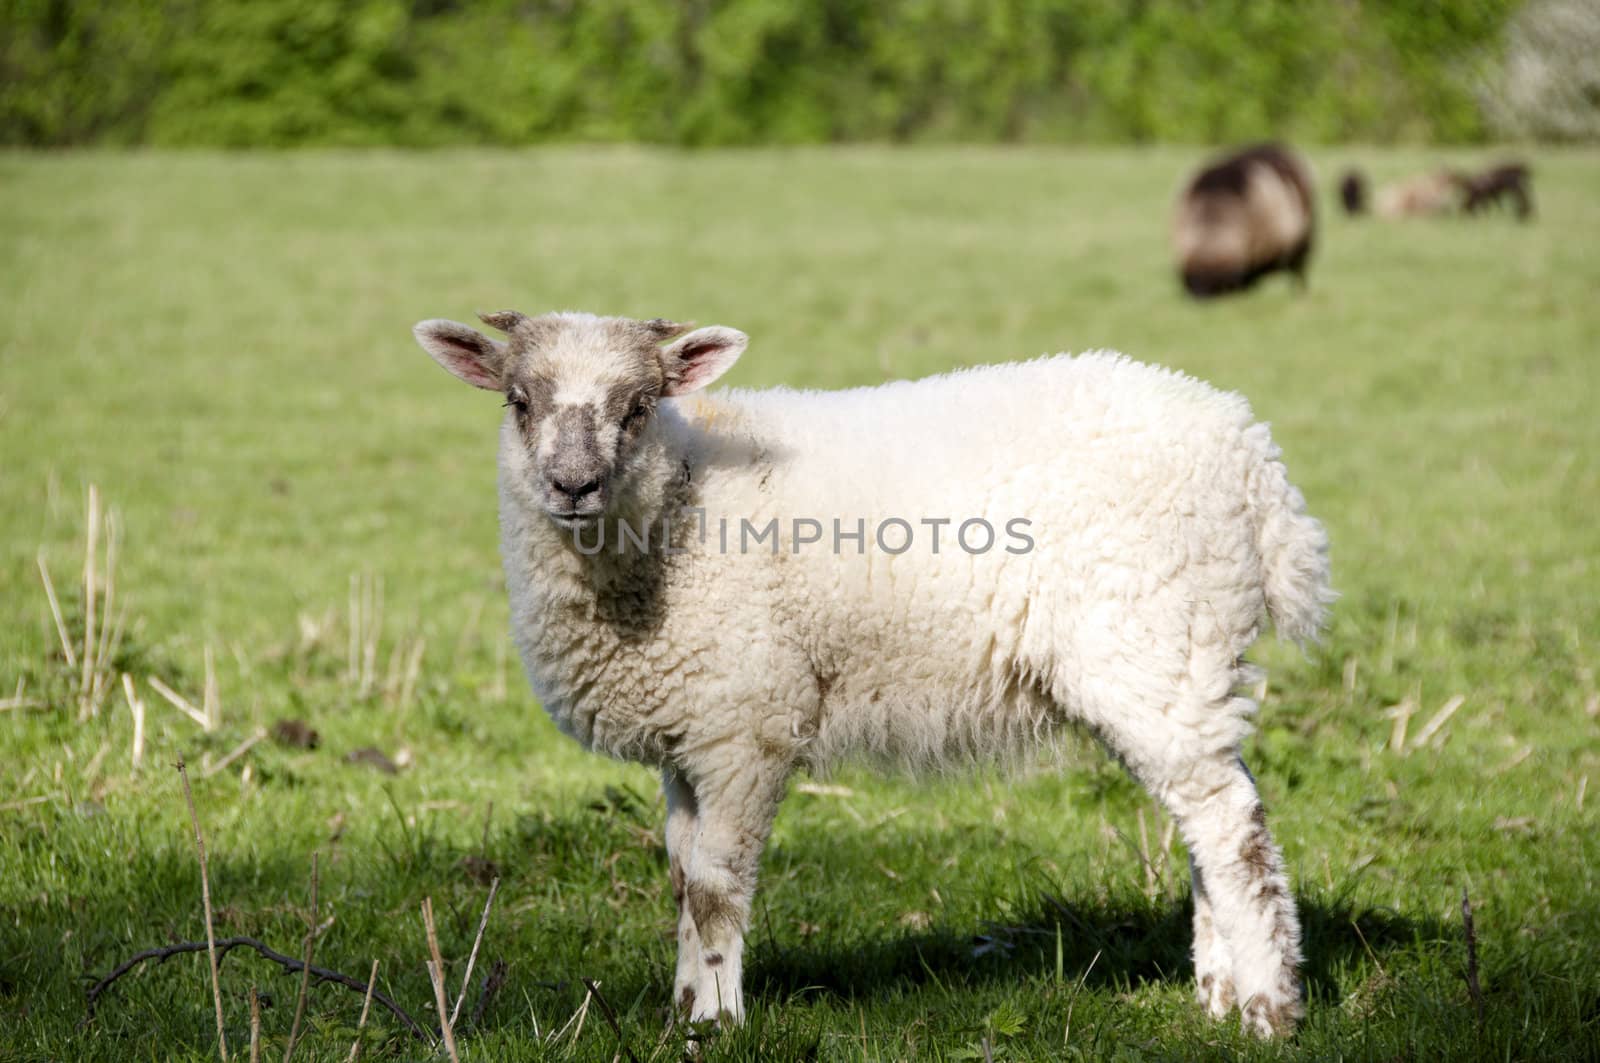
x: 700, y: 357
x: 463, y: 350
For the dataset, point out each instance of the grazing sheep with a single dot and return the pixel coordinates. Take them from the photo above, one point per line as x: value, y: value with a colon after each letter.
x: 1486, y: 189
x: 1420, y: 196
x: 734, y: 587
x: 1353, y: 192
x: 1242, y: 217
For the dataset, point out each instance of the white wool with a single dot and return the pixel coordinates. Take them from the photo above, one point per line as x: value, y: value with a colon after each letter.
x: 1164, y: 531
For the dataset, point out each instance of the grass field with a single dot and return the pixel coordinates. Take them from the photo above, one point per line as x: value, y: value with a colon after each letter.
x: 220, y: 344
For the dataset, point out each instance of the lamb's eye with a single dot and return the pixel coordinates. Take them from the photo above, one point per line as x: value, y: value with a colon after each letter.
x: 637, y: 414
x: 517, y: 399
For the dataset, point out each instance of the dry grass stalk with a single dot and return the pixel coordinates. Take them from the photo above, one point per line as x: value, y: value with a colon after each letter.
x: 436, y: 973
x: 91, y: 535
x: 136, y: 707
x: 108, y: 610
x: 55, y: 611
x: 472, y: 957
x: 18, y: 700
x: 353, y: 650
x: 238, y: 751
x: 95, y: 761
x: 205, y: 898
x: 818, y: 789
x: 1521, y: 755
x: 413, y: 671
x: 255, y: 1026
x: 1583, y: 786
x: 499, y: 691
x: 469, y: 632
x: 209, y: 699
x: 578, y: 1017
x: 1401, y: 715
x: 1144, y: 856
x: 305, y: 971
x: 372, y: 629
x: 366, y: 1005
x: 1167, y: 834
x: 1436, y: 721
x: 179, y: 702
x: 27, y: 802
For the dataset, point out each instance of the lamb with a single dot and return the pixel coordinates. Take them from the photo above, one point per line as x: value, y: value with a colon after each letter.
x: 1242, y: 217
x: 735, y: 587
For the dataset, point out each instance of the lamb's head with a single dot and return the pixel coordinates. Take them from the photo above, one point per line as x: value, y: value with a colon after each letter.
x: 580, y: 392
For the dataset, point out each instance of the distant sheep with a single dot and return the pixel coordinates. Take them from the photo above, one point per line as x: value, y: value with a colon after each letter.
x: 1421, y: 196
x: 1353, y: 192
x: 1243, y: 217
x: 1448, y: 191
x: 947, y: 571
x: 1508, y: 180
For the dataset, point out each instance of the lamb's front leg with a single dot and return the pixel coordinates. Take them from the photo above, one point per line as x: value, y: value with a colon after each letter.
x: 682, y: 814
x: 735, y: 802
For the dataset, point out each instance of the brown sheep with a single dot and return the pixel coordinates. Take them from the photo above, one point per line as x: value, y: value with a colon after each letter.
x: 1242, y: 217
x: 1485, y: 189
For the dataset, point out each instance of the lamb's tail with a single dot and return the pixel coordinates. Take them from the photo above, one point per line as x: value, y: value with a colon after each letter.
x: 1293, y: 546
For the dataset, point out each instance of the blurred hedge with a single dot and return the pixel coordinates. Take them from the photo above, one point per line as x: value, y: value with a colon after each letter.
x: 425, y: 72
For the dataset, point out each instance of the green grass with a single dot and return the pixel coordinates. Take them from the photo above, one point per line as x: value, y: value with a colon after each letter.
x: 220, y: 343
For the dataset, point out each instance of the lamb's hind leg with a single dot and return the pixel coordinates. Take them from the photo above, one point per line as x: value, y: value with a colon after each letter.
x: 1241, y: 890
x: 1213, y: 964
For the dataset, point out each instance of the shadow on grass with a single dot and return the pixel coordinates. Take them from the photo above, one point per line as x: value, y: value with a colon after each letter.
x: 1111, y: 945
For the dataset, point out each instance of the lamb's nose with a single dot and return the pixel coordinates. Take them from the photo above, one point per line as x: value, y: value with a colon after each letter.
x: 574, y: 490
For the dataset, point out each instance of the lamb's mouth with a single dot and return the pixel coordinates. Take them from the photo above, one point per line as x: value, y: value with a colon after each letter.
x: 574, y: 522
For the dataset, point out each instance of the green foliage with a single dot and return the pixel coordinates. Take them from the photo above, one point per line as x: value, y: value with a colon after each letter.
x: 702, y: 72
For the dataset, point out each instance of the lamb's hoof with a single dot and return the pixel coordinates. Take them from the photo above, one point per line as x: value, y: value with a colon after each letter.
x: 1215, y: 993
x: 1265, y: 1017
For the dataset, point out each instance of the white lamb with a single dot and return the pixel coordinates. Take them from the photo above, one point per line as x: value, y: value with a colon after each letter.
x: 1139, y: 528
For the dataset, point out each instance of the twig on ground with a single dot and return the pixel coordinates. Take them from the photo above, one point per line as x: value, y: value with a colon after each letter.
x: 238, y: 751
x: 289, y: 964
x: 178, y: 701
x: 205, y: 897
x: 1474, y: 990
x: 1438, y: 720
x: 305, y: 971
x: 611, y: 1018
x: 472, y: 957
x: 492, y: 983
x: 366, y: 1004
x: 436, y: 972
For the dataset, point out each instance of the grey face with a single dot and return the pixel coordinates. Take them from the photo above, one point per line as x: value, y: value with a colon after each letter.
x: 582, y: 391
x: 581, y: 395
